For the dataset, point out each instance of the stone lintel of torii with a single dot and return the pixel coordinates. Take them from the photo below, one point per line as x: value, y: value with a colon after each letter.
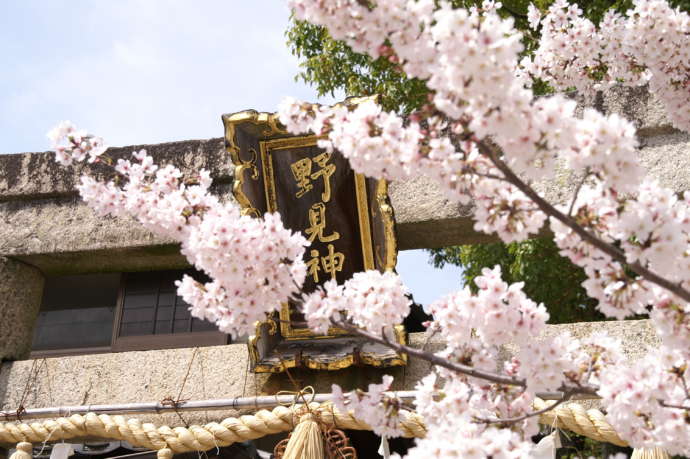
x: 45, y: 230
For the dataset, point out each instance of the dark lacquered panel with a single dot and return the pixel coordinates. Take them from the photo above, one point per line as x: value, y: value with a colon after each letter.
x: 328, y: 217
x: 315, y: 193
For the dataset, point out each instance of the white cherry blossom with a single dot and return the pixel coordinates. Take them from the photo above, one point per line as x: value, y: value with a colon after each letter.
x: 486, y: 139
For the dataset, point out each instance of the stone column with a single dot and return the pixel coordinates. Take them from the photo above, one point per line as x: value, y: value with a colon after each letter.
x: 21, y: 289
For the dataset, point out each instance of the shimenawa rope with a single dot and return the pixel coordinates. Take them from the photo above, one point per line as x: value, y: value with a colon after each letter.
x: 166, y: 440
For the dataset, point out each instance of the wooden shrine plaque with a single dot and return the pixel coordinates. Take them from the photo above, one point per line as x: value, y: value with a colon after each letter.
x: 346, y: 217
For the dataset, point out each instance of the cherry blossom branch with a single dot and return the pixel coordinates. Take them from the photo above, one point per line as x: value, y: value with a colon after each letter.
x: 670, y: 405
x: 489, y: 151
x: 432, y: 358
x: 456, y: 367
x: 507, y: 421
x: 577, y: 192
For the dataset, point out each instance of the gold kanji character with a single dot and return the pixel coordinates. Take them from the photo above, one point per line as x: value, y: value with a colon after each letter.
x: 313, y: 265
x: 301, y: 170
x: 326, y: 171
x: 333, y: 262
x: 317, y: 224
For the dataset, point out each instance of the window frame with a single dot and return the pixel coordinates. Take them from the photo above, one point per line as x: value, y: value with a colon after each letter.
x: 66, y: 352
x: 140, y: 342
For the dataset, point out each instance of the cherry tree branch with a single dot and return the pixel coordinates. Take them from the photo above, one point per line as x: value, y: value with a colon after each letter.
x: 670, y: 405
x: 507, y: 421
x: 577, y: 193
x: 457, y: 367
x: 429, y: 357
x: 490, y: 152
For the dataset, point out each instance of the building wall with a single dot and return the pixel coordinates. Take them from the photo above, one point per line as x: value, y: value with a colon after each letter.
x: 223, y: 372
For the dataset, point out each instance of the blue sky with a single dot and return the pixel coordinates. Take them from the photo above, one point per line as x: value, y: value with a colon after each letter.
x: 147, y: 71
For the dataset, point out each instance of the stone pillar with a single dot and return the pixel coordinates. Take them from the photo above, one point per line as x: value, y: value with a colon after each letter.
x: 21, y: 289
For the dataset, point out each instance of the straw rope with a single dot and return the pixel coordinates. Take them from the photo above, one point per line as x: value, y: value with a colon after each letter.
x: 306, y: 441
x: 575, y: 418
x: 192, y: 438
x: 572, y: 416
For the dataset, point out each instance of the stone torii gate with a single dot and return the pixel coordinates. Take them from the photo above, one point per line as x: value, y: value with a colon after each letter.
x: 45, y: 230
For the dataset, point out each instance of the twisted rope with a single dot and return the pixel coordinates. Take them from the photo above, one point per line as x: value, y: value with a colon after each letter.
x: 166, y: 440
x: 575, y: 418
x: 192, y: 438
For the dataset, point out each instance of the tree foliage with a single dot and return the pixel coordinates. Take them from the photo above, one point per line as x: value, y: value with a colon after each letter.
x: 549, y: 278
x: 331, y: 65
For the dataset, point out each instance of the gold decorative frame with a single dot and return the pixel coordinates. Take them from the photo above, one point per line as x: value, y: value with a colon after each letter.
x: 270, y: 123
x: 388, y: 219
x: 345, y: 361
x: 271, y: 136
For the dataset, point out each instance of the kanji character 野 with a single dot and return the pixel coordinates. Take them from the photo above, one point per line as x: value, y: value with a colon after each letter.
x: 301, y: 170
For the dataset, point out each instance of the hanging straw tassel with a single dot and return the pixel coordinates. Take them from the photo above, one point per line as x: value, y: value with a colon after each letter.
x: 305, y: 441
x: 23, y: 451
x: 165, y: 453
x: 649, y: 453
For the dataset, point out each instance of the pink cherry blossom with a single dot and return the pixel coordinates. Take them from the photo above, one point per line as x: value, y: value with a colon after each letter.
x: 255, y: 264
x: 487, y: 140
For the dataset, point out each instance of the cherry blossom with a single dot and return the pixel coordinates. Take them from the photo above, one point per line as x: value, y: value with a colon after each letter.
x: 645, y: 400
x: 381, y: 298
x: 379, y: 409
x: 647, y: 45
x: 487, y: 140
x: 71, y: 144
x: 452, y: 408
x: 544, y: 364
x: 255, y: 264
x: 497, y: 314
